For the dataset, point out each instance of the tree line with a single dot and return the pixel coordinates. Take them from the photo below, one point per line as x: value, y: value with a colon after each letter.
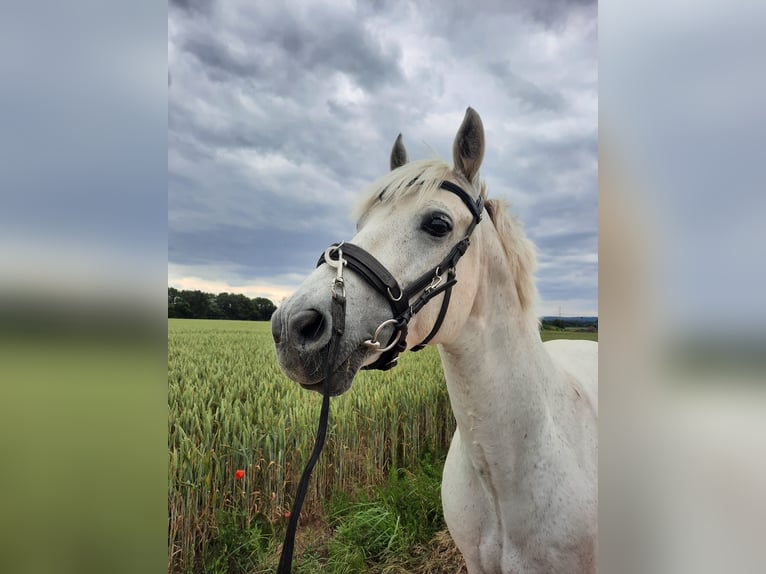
x: 184, y: 304
x: 580, y: 323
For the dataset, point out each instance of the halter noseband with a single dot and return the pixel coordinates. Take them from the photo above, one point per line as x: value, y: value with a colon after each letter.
x: 429, y: 285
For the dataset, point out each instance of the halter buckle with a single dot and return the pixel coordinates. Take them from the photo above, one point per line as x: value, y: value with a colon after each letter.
x: 338, y: 288
x: 435, y: 282
x: 338, y: 285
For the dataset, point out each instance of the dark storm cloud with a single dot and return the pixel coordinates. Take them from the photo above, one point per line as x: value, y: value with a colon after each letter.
x: 192, y: 6
x: 279, y: 45
x: 536, y: 167
x: 566, y: 242
x: 532, y: 97
x: 279, y: 114
x: 219, y: 60
x: 250, y: 247
x: 546, y: 12
x: 550, y: 12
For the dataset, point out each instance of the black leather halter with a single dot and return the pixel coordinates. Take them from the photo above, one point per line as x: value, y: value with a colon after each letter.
x: 438, y: 280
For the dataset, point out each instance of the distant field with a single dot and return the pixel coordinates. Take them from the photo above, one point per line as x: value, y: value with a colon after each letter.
x: 230, y: 408
x: 548, y: 335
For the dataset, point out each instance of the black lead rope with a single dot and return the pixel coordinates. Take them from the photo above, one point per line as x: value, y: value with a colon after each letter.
x: 338, y: 325
x: 286, y: 559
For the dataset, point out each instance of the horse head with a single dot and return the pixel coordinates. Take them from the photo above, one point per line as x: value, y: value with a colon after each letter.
x: 415, y: 241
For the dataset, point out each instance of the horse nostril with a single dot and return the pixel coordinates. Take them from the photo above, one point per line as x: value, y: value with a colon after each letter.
x: 307, y: 326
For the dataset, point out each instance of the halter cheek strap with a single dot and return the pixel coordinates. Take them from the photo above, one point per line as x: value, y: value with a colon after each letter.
x: 429, y: 285
x: 442, y: 312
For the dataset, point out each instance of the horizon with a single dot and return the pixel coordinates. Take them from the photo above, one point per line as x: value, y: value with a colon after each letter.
x: 278, y: 302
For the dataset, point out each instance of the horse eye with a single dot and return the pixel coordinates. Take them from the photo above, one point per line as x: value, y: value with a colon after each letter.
x: 437, y: 225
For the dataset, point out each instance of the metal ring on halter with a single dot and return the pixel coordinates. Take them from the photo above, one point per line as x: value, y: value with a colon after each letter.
x: 375, y: 344
x: 399, y: 298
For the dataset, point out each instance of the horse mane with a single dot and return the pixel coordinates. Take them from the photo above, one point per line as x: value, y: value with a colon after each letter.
x: 424, y: 178
x: 519, y: 252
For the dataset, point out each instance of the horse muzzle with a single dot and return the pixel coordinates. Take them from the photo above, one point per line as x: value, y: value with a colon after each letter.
x: 302, y: 334
x: 301, y: 338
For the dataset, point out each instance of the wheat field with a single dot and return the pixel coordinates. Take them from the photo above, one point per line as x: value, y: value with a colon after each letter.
x: 230, y: 408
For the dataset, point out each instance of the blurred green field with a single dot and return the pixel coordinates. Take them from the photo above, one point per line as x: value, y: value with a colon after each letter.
x: 82, y: 421
x: 230, y: 408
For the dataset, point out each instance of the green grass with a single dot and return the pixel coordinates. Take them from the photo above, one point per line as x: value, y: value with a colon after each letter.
x: 549, y: 335
x: 375, y: 493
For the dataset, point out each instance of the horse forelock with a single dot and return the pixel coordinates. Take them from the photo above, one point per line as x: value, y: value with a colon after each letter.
x: 422, y: 178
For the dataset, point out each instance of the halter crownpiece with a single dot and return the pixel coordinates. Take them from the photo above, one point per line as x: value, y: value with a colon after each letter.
x: 429, y: 285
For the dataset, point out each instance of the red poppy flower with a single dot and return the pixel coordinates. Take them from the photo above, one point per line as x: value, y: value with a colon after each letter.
x: 287, y: 515
x: 239, y: 475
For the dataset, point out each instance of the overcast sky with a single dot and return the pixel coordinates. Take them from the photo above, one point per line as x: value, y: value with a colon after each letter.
x: 280, y: 113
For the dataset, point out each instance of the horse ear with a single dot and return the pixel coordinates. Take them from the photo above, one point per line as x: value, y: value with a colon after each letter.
x: 468, y: 149
x: 398, y: 154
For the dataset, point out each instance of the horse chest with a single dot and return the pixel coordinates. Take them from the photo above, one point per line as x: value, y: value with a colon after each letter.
x: 529, y: 524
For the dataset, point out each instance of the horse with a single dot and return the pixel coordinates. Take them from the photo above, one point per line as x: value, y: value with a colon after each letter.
x: 519, y: 486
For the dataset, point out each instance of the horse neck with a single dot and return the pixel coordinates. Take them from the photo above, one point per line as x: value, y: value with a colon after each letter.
x: 501, y: 381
